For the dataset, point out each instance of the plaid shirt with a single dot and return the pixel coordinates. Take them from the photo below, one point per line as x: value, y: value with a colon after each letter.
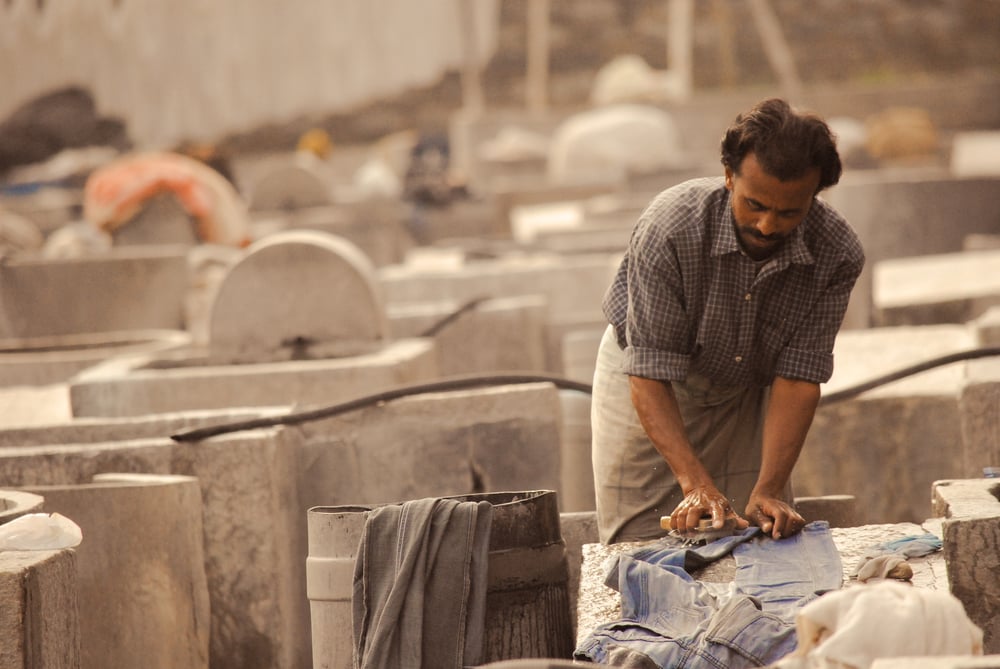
x: 685, y: 298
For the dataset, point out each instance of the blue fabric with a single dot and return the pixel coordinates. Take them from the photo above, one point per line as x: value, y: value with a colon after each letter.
x: 671, y: 620
x: 909, y: 546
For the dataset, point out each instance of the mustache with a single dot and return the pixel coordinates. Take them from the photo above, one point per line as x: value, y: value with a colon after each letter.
x: 756, y: 234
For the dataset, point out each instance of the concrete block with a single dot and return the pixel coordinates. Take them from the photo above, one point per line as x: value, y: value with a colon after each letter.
x: 941, y: 288
x: 39, y: 618
x: 579, y: 353
x: 904, y: 213
x: 576, y: 487
x: 450, y: 443
x: 140, y: 569
x: 572, y: 285
x: 987, y: 327
x: 297, y: 295
x: 130, y: 288
x: 975, y: 153
x: 147, y: 385
x: 578, y: 528
x: 895, y: 439
x: 288, y: 187
x: 16, y: 503
x: 837, y: 510
x: 38, y: 361
x: 254, y: 529
x: 501, y: 335
x: 971, y: 509
x: 162, y: 220
x: 980, y: 418
x: 379, y: 228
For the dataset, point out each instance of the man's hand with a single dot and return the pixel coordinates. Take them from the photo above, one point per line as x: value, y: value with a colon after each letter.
x: 701, y: 502
x: 773, y: 516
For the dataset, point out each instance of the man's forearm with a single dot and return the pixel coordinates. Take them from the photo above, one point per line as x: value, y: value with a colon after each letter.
x: 656, y: 406
x: 789, y: 415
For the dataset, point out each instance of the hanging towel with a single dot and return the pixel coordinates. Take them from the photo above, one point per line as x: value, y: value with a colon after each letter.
x: 420, y: 585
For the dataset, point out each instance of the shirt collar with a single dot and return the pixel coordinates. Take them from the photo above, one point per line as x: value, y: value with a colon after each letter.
x: 724, y: 240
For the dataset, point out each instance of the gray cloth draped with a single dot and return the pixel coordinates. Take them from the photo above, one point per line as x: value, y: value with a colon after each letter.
x: 420, y: 585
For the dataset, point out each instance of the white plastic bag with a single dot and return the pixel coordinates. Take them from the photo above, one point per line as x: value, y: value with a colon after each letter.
x: 40, y: 532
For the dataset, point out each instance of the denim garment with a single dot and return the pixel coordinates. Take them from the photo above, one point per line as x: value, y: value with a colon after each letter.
x: 671, y: 620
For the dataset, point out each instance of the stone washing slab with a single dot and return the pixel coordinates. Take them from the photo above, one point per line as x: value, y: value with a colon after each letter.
x: 148, y: 385
x: 598, y: 604
x: 941, y: 288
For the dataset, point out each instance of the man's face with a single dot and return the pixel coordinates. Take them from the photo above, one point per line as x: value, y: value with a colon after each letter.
x: 767, y: 210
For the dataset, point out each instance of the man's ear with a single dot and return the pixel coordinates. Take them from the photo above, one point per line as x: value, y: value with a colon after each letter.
x: 729, y: 179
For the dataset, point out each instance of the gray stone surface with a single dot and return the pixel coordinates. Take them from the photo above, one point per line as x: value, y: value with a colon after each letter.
x: 450, y: 443
x: 288, y: 187
x: 146, y: 385
x: 297, y: 295
x: 939, y: 288
x: 571, y: 285
x: 38, y: 361
x: 576, y: 488
x: 378, y: 227
x: 140, y: 570
x: 971, y: 532
x: 980, y: 417
x: 896, y: 439
x: 498, y: 335
x: 578, y: 528
x: 161, y: 220
x: 909, y: 212
x: 254, y: 532
x: 579, y: 353
x: 131, y: 288
x: 39, y: 618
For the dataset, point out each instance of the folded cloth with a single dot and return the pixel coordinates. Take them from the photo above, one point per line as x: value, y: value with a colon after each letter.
x: 855, y: 626
x: 420, y: 585
x: 879, y: 560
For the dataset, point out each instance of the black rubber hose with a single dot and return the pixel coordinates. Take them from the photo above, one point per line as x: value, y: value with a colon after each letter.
x: 477, y: 381
x: 444, y: 385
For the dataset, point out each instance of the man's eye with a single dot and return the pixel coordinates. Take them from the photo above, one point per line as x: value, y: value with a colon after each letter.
x: 756, y: 206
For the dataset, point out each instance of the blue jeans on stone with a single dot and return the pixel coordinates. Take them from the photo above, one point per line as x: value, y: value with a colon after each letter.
x: 671, y: 620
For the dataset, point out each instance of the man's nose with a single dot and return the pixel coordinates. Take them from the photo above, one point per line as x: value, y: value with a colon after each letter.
x: 767, y: 224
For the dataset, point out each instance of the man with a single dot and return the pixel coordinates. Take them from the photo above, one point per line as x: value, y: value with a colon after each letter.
x: 723, y: 315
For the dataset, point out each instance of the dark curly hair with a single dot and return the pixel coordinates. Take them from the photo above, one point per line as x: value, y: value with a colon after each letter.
x: 787, y: 143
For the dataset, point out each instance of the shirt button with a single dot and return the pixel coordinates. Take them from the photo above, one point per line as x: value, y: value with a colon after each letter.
x: 738, y: 358
x: 747, y: 297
